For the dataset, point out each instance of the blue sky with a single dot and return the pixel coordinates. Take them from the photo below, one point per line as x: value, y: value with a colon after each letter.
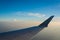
x: 28, y: 9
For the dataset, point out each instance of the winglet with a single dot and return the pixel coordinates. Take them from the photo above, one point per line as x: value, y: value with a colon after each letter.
x: 46, y: 22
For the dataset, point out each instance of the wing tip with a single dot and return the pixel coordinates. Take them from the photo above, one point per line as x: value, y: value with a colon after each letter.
x: 46, y: 22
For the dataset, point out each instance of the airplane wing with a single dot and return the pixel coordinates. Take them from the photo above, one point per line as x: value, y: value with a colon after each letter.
x: 24, y: 34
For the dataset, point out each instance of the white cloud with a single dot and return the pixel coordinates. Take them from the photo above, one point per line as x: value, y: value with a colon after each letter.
x: 30, y: 14
x: 36, y: 14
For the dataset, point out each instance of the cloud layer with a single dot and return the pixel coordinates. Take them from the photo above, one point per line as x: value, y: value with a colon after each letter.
x: 30, y: 14
x: 48, y: 33
x: 36, y: 14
